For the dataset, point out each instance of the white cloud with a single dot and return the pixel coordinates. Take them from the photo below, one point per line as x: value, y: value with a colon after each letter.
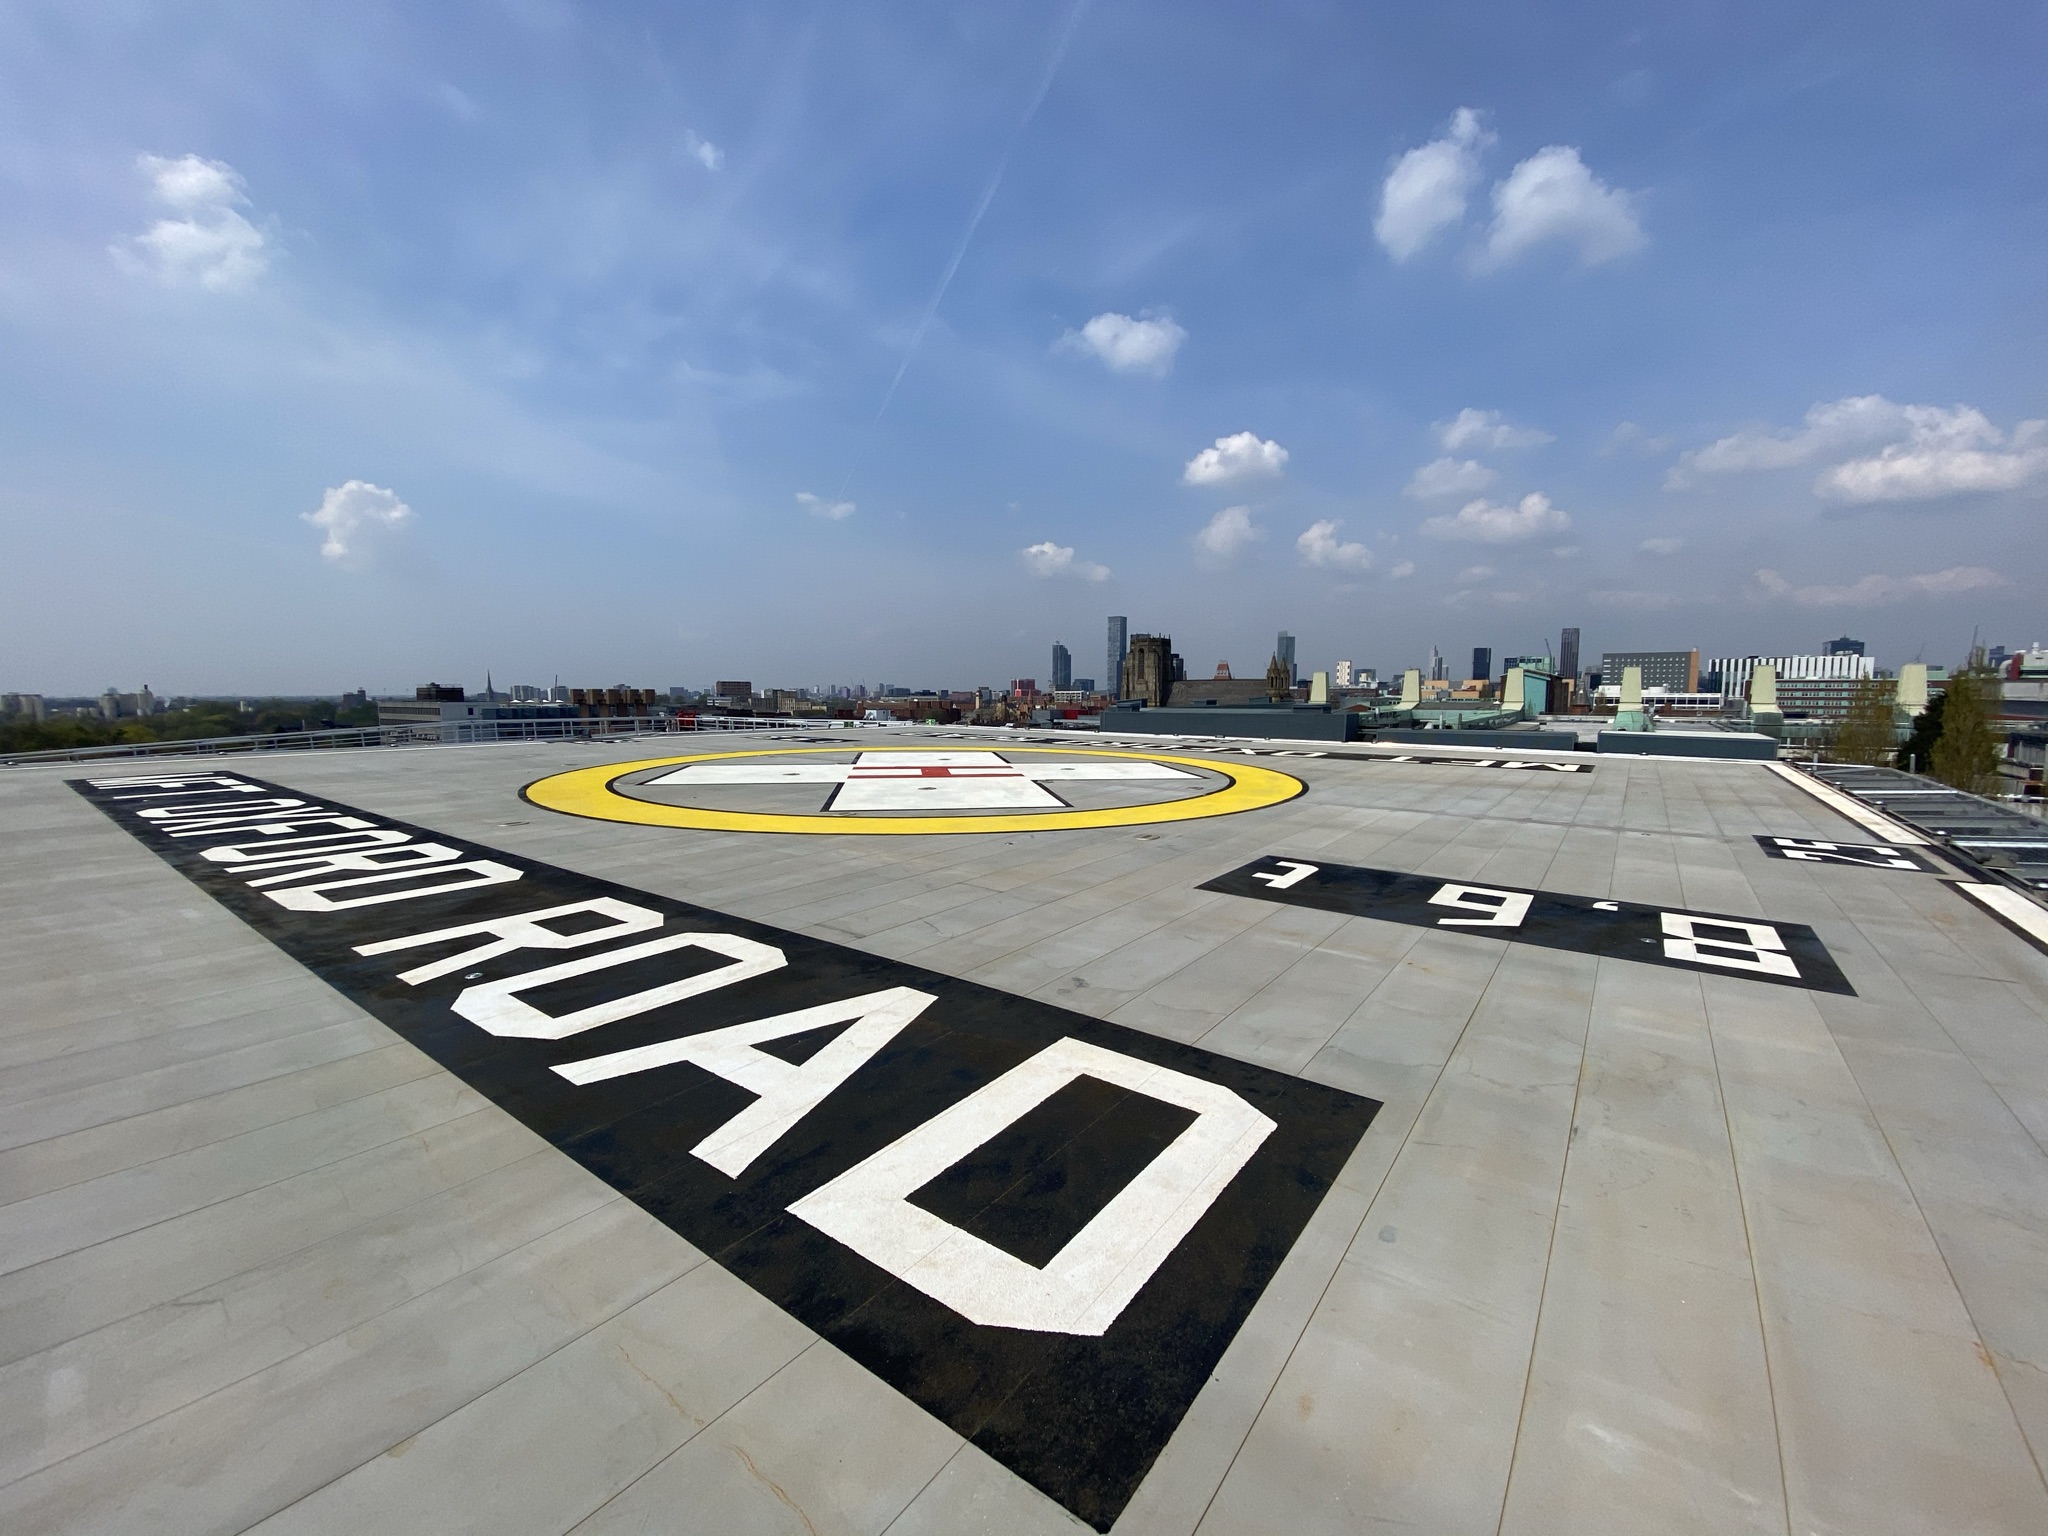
x: 1950, y: 453
x: 1405, y: 569
x: 1449, y: 477
x: 1873, y: 590
x: 190, y: 184
x: 1485, y: 429
x: 703, y: 151
x: 1551, y: 196
x: 1923, y: 452
x: 1425, y: 192
x: 1661, y: 546
x: 1241, y: 456
x: 1319, y: 546
x: 360, y: 520
x: 1834, y: 426
x: 1475, y: 573
x: 1124, y: 345
x: 1228, y: 532
x: 207, y: 242
x: 1050, y: 559
x: 818, y: 506
x: 1487, y: 522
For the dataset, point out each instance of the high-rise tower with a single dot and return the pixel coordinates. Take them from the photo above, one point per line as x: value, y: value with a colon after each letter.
x: 1119, y: 647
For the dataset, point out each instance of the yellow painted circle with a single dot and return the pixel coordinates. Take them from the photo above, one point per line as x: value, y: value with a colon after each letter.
x: 589, y: 792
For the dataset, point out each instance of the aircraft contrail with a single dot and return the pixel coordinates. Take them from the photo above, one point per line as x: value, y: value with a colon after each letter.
x: 1052, y: 68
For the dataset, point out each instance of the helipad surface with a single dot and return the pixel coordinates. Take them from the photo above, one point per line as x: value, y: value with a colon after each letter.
x: 1705, y: 1189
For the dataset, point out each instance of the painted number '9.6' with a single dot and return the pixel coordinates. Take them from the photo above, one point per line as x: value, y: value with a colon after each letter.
x: 1687, y: 938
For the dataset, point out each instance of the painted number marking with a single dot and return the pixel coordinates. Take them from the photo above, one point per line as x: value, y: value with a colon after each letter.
x: 1787, y: 954
x: 1867, y: 855
x: 1756, y: 947
x: 1497, y: 909
x: 1291, y: 874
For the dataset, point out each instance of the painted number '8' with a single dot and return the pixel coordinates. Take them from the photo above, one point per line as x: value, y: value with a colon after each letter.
x: 1720, y: 941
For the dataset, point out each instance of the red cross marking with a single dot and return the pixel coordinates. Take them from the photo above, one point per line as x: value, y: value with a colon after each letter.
x: 935, y: 773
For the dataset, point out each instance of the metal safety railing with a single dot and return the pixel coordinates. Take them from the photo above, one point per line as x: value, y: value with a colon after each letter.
x: 2005, y: 842
x: 428, y: 733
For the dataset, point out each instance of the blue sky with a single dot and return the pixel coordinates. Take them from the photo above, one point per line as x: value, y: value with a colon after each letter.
x: 359, y: 344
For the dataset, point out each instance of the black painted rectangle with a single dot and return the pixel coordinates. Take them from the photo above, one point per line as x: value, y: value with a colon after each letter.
x: 1615, y: 930
x: 1532, y: 765
x: 1807, y: 850
x: 1082, y: 1418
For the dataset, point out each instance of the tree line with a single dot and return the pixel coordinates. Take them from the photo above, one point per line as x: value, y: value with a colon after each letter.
x: 1951, y: 741
x: 201, y: 719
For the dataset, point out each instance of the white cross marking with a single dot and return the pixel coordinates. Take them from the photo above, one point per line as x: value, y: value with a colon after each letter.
x: 924, y: 781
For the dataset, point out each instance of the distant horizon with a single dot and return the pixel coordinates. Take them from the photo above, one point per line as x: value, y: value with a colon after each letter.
x: 1589, y: 660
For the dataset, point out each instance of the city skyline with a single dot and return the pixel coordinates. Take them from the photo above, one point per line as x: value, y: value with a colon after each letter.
x: 689, y: 343
x: 1562, y: 649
